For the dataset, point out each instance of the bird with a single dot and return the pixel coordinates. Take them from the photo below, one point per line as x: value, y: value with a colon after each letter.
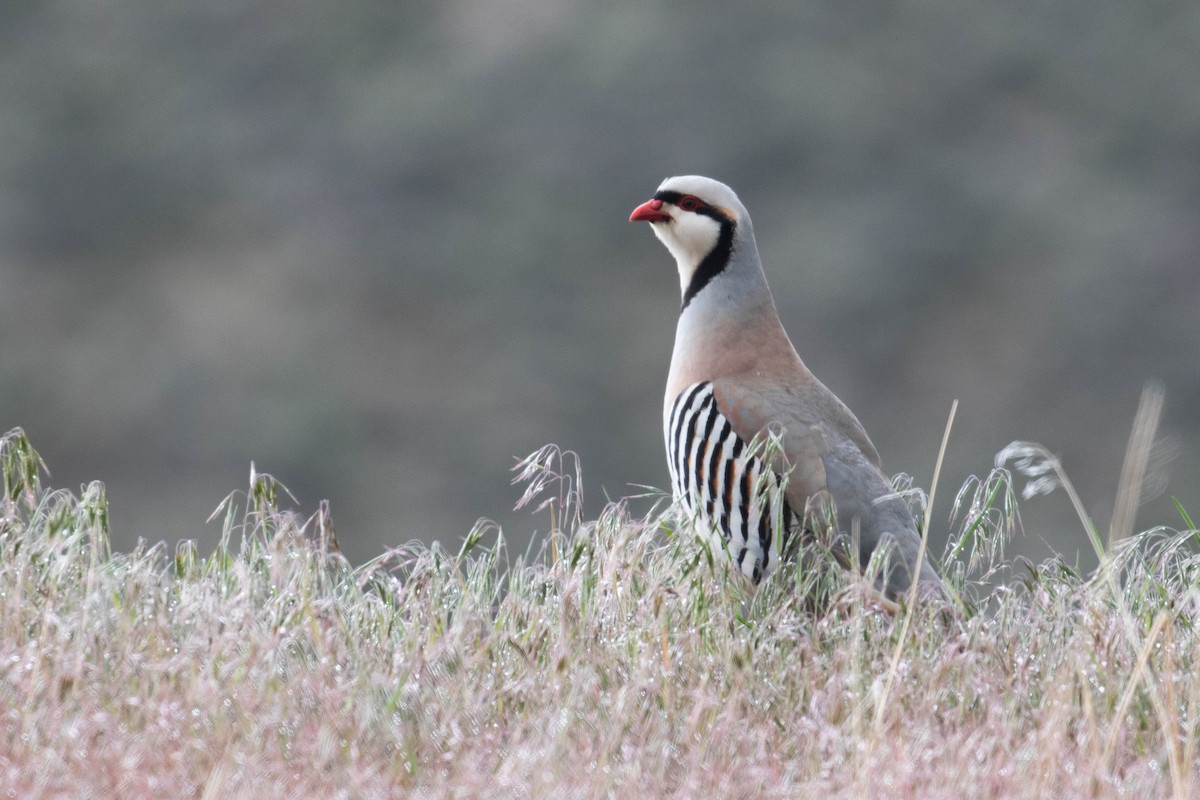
x: 736, y: 384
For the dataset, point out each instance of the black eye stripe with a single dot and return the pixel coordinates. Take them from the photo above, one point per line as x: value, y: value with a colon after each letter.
x: 672, y: 197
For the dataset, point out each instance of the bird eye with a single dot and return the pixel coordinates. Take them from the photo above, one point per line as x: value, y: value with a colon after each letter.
x: 690, y: 203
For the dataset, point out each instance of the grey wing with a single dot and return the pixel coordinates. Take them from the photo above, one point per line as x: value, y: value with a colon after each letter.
x: 869, y: 508
x: 826, y: 454
x: 805, y: 439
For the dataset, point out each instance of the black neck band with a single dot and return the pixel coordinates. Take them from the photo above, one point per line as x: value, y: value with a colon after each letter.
x: 713, y: 263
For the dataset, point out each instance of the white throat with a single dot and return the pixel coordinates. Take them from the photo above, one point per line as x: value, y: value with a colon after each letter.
x: 689, y: 239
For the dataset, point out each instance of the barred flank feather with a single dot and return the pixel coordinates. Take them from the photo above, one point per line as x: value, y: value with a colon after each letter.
x: 723, y: 484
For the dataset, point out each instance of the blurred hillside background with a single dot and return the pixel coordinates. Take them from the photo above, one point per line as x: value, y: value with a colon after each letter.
x: 381, y: 248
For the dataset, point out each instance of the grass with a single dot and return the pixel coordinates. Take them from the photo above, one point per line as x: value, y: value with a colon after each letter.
x: 617, y: 660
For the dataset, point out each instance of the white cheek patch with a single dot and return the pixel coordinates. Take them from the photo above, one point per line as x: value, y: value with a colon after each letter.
x: 689, y: 239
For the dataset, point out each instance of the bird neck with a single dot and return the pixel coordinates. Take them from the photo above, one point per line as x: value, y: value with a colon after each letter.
x: 730, y: 326
x: 694, y: 277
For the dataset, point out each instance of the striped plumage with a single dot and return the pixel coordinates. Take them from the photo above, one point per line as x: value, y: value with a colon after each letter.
x: 735, y: 378
x: 730, y: 491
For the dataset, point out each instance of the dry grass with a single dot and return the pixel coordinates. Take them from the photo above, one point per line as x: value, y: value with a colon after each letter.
x: 615, y: 662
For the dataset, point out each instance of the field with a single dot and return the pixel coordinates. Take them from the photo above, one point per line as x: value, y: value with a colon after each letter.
x: 618, y: 660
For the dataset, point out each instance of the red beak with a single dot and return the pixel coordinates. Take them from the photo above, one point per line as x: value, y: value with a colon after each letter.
x: 649, y: 211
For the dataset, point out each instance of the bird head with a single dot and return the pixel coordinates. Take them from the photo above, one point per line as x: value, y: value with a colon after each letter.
x: 697, y: 219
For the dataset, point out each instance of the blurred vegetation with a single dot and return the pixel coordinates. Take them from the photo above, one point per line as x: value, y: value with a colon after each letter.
x: 380, y: 249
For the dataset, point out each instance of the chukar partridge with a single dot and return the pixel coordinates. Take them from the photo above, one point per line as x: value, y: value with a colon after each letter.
x: 735, y: 377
